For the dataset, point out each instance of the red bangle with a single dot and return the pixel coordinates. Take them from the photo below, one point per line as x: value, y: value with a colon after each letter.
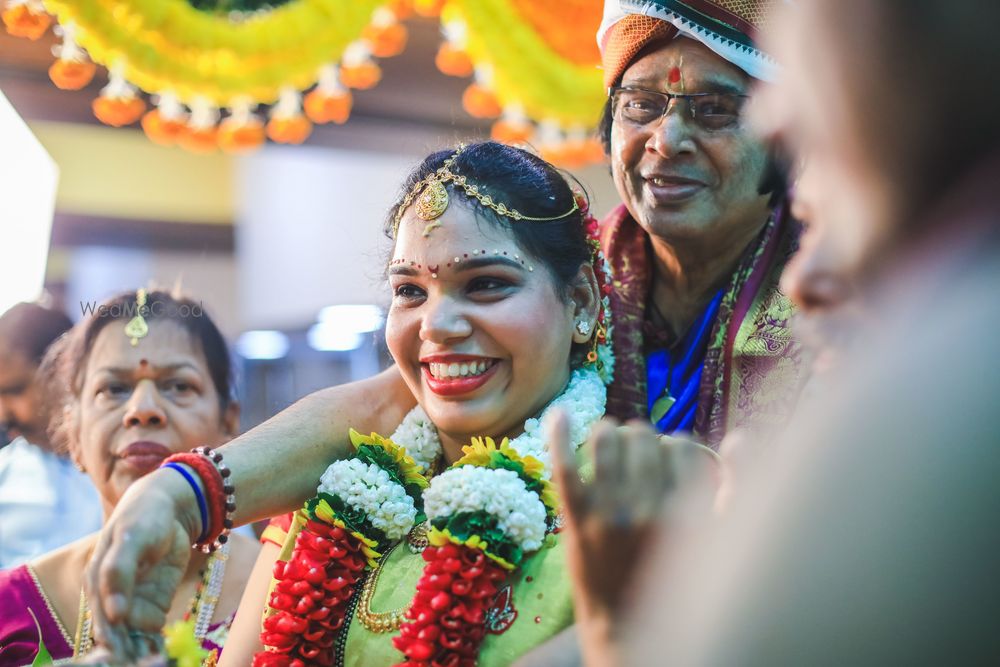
x: 215, y: 496
x: 223, y: 501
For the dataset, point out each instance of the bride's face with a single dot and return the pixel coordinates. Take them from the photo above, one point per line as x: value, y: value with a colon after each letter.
x: 478, y: 329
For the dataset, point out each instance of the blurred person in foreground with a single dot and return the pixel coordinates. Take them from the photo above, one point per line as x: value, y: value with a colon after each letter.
x: 868, y: 537
x: 129, y: 392
x: 38, y: 485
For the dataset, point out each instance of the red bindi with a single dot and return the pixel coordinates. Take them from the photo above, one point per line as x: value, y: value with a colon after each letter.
x: 675, y: 75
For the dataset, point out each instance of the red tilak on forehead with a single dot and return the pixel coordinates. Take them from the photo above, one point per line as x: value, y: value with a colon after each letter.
x: 675, y: 75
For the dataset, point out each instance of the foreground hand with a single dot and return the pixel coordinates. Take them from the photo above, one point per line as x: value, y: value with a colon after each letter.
x: 611, y: 522
x: 137, y: 565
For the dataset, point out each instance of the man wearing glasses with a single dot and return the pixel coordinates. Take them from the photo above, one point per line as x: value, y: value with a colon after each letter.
x: 699, y: 243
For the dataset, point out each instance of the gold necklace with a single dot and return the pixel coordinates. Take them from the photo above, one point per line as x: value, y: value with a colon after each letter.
x: 388, y: 621
x: 383, y: 621
x: 416, y: 541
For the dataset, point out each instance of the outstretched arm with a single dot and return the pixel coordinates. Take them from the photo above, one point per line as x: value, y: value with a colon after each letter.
x: 144, y: 546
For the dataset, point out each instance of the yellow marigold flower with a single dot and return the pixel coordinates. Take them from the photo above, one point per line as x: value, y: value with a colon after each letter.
x: 481, y: 452
x: 407, y: 466
x: 478, y: 453
x: 182, y: 646
x: 325, y: 513
x: 549, y: 496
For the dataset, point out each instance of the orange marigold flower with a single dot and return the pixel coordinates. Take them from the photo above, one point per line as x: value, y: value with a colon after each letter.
x: 72, y: 74
x: 161, y: 130
x: 289, y: 130
x: 480, y: 102
x: 386, y: 41
x: 118, y: 111
x: 322, y: 107
x: 453, y: 61
x: 238, y: 137
x: 199, y: 139
x: 22, y: 22
x: 362, y: 76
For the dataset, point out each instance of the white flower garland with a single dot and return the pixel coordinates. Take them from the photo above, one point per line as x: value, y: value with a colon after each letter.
x: 582, y: 401
x: 519, y: 512
x: 368, y: 488
x: 419, y: 436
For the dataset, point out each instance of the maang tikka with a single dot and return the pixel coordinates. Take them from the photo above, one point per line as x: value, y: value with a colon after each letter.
x: 432, y: 198
x: 137, y: 327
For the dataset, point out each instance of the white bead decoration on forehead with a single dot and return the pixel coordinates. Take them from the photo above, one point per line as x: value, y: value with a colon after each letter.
x: 458, y: 259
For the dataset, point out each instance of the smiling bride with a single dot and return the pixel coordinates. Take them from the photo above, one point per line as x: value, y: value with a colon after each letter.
x: 440, y: 543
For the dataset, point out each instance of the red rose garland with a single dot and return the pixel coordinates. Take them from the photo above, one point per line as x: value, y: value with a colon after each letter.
x: 310, y: 597
x: 446, y: 625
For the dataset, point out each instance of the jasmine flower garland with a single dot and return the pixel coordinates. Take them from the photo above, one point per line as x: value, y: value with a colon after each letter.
x: 420, y: 437
x: 519, y: 512
x: 368, y: 488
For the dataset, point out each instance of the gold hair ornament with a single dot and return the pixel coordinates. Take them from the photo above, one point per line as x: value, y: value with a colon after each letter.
x: 137, y: 327
x: 432, y: 198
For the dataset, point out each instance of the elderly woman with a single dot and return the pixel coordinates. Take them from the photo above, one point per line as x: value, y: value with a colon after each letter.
x: 135, y: 394
x: 697, y: 249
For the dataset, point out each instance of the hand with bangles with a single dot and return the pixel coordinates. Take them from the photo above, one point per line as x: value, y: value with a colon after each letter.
x: 137, y: 577
x: 644, y: 486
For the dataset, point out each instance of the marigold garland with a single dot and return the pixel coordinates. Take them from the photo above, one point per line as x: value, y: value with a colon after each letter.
x: 533, y: 63
x: 170, y: 45
x: 526, y: 69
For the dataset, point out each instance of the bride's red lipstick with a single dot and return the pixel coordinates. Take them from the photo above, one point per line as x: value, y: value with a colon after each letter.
x: 456, y: 386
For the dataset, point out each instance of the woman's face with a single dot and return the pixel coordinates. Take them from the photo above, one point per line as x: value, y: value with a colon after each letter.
x: 140, y: 404
x: 477, y: 328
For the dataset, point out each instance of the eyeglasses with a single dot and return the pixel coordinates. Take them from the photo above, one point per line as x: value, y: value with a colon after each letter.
x: 710, y: 111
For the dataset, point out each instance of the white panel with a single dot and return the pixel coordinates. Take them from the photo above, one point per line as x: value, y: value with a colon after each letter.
x: 28, y: 179
x: 309, y: 231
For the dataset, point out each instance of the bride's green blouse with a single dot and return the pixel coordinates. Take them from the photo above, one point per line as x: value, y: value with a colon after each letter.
x: 532, y: 606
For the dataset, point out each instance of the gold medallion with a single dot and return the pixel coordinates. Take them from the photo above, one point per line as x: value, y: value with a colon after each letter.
x: 432, y: 202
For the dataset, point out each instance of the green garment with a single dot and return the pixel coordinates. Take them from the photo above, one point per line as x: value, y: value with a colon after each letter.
x: 541, y: 598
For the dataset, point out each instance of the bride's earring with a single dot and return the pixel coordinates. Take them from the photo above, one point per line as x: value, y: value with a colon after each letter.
x: 583, y: 326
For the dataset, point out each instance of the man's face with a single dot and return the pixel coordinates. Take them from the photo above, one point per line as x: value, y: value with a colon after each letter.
x: 20, y: 400
x: 682, y: 181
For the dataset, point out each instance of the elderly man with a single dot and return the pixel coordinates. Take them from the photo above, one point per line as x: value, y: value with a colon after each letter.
x: 697, y: 248
x: 699, y: 243
x: 39, y: 487
x: 862, y: 541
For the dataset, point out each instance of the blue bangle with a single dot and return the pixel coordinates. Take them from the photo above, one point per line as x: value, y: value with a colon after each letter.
x: 202, y: 506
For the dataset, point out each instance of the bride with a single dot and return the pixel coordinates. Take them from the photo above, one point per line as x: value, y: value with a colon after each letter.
x: 440, y: 543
